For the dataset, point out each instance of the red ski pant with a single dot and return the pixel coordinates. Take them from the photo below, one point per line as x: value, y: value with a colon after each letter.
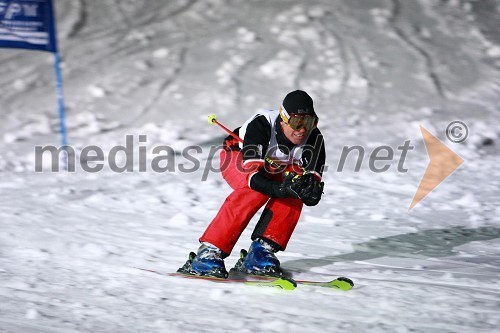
x: 277, y: 222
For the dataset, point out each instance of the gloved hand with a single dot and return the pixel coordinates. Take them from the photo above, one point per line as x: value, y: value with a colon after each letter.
x: 291, y: 186
x: 311, y: 191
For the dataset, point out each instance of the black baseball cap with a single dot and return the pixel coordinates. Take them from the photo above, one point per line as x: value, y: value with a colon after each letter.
x: 298, y: 102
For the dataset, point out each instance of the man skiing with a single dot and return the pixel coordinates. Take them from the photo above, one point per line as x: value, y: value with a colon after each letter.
x: 279, y: 164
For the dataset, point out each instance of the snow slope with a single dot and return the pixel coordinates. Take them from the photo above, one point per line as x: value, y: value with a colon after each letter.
x: 70, y: 242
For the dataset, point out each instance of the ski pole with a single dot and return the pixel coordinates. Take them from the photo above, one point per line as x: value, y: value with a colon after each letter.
x: 213, y: 120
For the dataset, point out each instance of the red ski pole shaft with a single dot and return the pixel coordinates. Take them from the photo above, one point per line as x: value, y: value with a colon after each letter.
x: 213, y: 120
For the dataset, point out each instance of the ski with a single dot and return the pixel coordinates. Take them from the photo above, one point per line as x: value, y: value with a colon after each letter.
x: 286, y: 283
x: 341, y: 283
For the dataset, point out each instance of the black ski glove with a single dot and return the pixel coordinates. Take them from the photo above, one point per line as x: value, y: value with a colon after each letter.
x: 312, y: 191
x: 291, y: 186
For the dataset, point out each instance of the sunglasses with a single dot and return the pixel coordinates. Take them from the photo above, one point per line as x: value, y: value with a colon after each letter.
x: 298, y: 121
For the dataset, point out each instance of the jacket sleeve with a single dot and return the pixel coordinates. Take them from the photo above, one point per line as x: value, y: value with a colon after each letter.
x: 255, y: 144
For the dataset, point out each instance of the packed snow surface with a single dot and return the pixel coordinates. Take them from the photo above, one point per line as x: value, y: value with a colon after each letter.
x: 150, y: 72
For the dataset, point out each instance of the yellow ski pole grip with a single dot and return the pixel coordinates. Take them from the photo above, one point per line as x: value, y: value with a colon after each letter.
x: 212, y: 119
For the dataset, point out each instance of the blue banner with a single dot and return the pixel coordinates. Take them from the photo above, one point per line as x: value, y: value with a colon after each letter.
x: 27, y: 24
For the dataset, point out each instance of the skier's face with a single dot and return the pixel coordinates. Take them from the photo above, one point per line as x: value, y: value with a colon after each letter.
x: 296, y: 137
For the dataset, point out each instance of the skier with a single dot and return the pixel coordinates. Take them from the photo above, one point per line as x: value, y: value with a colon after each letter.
x: 279, y: 164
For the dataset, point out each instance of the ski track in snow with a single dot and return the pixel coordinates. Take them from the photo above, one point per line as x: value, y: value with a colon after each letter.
x: 428, y: 61
x: 70, y: 242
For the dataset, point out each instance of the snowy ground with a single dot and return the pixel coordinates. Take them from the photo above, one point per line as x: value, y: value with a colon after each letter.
x: 376, y: 69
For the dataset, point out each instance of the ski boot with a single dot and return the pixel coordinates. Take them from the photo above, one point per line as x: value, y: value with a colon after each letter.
x: 259, y: 260
x: 208, y: 262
